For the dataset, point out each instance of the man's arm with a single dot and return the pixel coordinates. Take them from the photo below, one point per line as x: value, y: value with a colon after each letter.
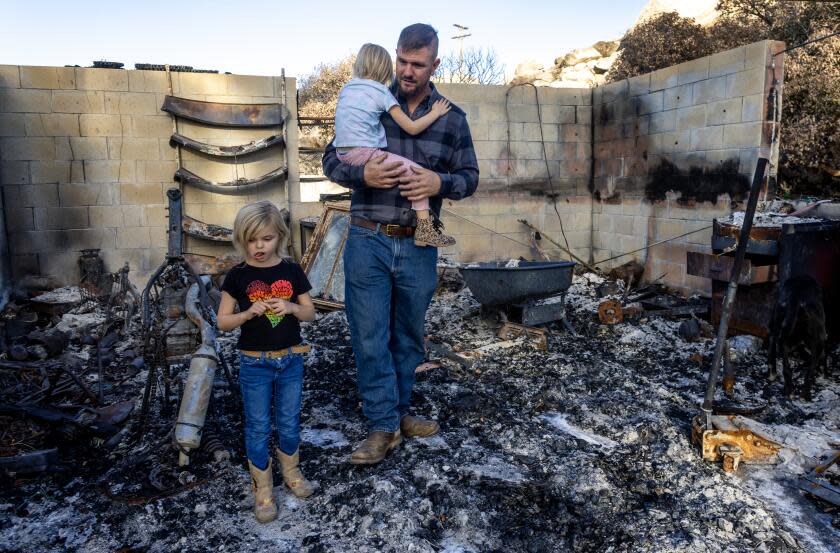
x: 346, y: 175
x: 374, y: 174
x: 462, y: 179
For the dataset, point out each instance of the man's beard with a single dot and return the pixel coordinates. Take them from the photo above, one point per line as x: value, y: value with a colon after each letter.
x: 413, y: 88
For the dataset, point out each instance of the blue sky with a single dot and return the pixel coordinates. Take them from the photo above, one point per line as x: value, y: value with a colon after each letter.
x: 261, y: 37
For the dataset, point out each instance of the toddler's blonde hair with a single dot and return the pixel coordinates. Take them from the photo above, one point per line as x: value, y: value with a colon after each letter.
x: 251, y: 218
x: 374, y: 62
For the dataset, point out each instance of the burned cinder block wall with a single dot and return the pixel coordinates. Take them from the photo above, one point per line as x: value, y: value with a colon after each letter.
x: 515, y: 130
x: 673, y: 149
x: 85, y: 162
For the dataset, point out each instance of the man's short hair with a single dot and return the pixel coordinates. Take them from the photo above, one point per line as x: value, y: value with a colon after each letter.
x: 419, y: 36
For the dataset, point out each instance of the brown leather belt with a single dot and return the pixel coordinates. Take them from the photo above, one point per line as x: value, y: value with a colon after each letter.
x: 394, y: 231
x: 276, y: 354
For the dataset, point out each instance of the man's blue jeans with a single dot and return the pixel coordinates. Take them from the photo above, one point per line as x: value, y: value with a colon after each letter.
x: 261, y: 381
x: 388, y: 285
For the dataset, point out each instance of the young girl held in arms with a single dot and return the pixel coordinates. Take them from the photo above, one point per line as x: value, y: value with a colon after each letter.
x: 272, y: 296
x: 360, y: 136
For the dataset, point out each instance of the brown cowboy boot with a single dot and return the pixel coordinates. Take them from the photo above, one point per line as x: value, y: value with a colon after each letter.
x: 292, y: 476
x: 262, y: 484
x: 415, y: 427
x: 374, y: 448
x: 427, y: 235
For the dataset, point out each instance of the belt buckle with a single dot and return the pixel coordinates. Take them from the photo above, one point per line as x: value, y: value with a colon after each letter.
x: 391, y: 230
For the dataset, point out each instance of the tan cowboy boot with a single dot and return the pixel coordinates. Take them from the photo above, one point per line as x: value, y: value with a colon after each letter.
x: 427, y: 235
x: 415, y: 427
x: 262, y: 484
x: 374, y: 448
x: 292, y: 476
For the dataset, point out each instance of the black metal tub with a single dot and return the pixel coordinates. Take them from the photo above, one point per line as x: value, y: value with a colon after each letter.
x: 504, y: 283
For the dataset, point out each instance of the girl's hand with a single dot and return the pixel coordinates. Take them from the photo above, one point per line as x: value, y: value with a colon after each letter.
x: 441, y: 107
x: 282, y: 307
x: 257, y: 308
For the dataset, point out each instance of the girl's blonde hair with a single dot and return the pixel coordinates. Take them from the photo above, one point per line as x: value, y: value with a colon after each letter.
x: 251, y: 218
x: 374, y: 62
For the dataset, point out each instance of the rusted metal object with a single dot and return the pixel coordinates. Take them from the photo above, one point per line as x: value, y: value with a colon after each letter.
x: 610, y: 312
x: 210, y: 265
x: 538, y: 336
x: 731, y: 441
x: 206, y: 231
x: 225, y: 115
x: 238, y: 186
x: 719, y: 267
x: 226, y: 151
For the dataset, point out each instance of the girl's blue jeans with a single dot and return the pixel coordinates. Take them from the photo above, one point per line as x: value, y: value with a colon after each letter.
x: 264, y: 382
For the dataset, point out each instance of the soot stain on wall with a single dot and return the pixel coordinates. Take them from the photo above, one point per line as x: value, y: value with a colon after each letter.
x: 702, y: 184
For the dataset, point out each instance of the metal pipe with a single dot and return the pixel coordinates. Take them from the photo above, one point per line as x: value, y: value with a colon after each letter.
x: 732, y: 289
x: 199, y: 384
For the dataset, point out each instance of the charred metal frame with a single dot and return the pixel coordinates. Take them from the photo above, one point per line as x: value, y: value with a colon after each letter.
x: 227, y: 151
x: 225, y: 115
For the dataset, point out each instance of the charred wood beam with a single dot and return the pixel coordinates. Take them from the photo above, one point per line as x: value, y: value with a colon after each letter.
x: 239, y: 186
x: 206, y: 231
x: 226, y: 151
x: 30, y: 463
x: 225, y: 115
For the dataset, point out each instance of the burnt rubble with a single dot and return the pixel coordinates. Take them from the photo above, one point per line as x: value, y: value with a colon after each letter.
x: 584, y: 446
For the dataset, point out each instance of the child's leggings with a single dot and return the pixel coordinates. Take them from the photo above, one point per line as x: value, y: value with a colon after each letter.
x: 360, y: 156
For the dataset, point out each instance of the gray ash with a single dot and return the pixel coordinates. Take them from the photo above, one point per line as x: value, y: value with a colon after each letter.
x: 583, y: 447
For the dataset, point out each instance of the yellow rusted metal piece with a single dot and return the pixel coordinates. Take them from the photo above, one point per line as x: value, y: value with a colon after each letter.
x: 731, y: 442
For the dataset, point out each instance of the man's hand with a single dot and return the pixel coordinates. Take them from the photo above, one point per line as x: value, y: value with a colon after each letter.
x: 419, y: 183
x: 379, y: 174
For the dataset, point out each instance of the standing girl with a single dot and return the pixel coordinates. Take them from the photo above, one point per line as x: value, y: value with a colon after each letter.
x: 272, y: 296
x: 359, y: 135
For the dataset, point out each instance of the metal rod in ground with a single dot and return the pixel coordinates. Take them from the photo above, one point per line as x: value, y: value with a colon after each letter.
x: 732, y: 289
x: 576, y: 258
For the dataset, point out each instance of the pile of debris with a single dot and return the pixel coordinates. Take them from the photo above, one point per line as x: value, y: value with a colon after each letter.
x: 63, y: 371
x: 582, y: 446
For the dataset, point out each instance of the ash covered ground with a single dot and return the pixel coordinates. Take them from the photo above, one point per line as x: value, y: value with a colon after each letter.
x: 583, y: 447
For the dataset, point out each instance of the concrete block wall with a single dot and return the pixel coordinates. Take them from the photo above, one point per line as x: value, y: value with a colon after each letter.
x: 85, y: 162
x: 509, y: 128
x: 674, y: 148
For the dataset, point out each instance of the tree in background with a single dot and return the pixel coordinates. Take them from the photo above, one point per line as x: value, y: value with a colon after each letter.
x: 810, y: 130
x: 476, y: 66
x: 661, y: 41
x: 317, y: 96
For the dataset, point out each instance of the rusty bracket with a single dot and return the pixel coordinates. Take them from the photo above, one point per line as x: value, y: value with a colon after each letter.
x: 732, y: 442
